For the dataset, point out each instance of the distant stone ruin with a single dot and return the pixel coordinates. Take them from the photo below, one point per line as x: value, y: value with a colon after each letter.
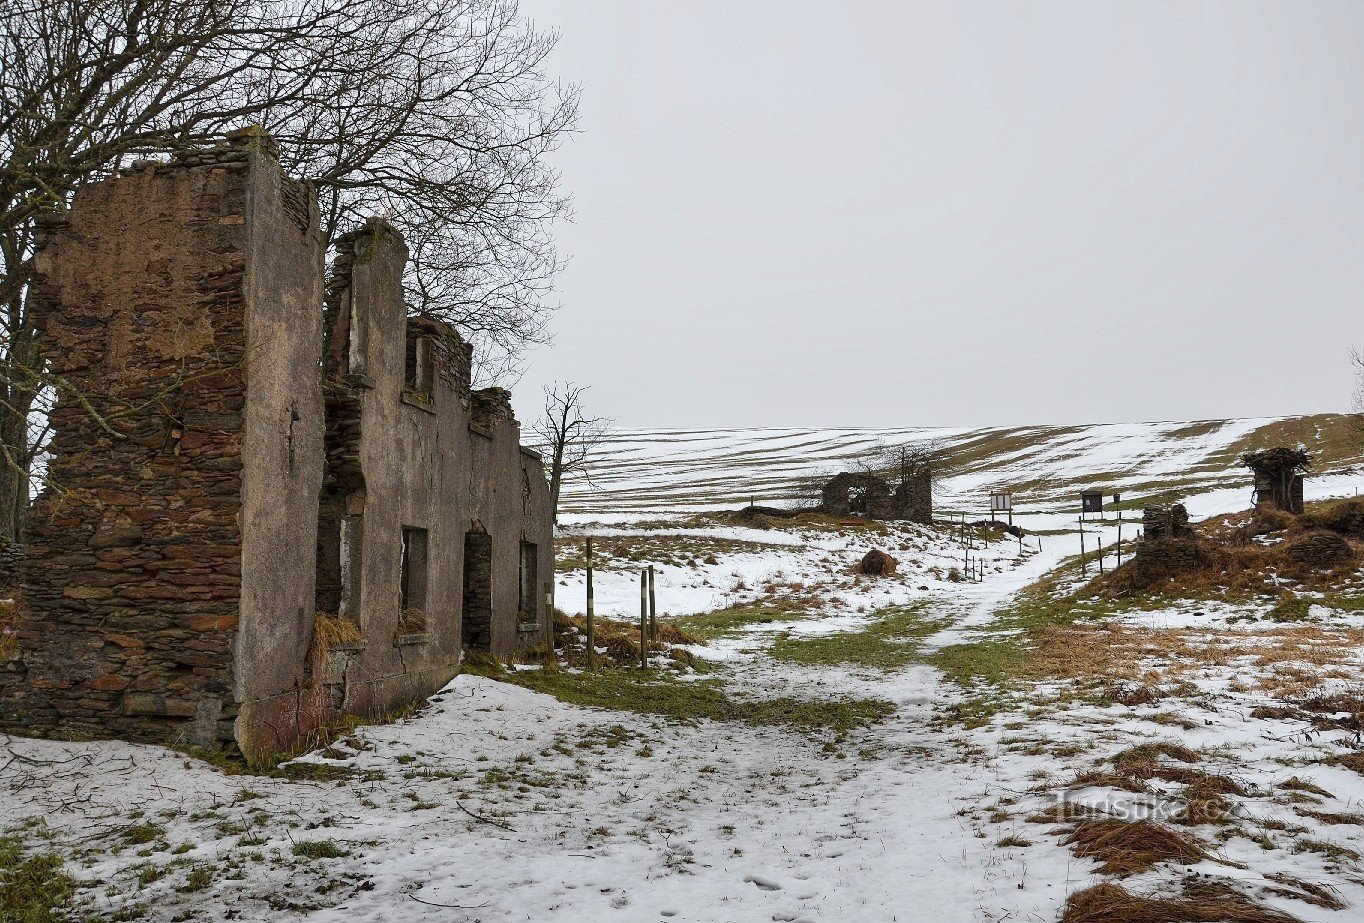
x: 273, y: 503
x: 1162, y: 523
x: 1278, y: 477
x: 1169, y: 544
x: 855, y: 493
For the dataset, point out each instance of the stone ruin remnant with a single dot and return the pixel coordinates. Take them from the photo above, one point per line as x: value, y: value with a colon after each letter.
x: 1161, y: 523
x: 863, y: 494
x: 267, y: 495
x: 1169, y: 544
x: 1278, y: 474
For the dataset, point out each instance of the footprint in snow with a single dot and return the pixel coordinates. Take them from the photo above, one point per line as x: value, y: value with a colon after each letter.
x: 792, y: 918
x: 766, y: 884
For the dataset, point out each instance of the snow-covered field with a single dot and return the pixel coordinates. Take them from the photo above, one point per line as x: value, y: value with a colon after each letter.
x: 639, y: 472
x: 496, y: 803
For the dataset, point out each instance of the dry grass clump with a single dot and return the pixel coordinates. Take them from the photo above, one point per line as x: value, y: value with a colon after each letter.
x: 1205, y: 800
x: 1345, y: 517
x: 1132, y: 695
x: 1333, y: 818
x: 1353, y: 761
x: 1063, y: 812
x: 1135, y: 766
x: 1294, y: 784
x: 1127, y: 847
x: 1305, y: 891
x: 620, y: 640
x: 334, y: 631
x: 1201, y: 902
x: 1204, y: 793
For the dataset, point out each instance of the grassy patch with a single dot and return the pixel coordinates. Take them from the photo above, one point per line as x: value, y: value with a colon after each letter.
x: 886, y: 643
x: 319, y: 849
x: 33, y: 889
x: 732, y: 621
x: 661, y: 694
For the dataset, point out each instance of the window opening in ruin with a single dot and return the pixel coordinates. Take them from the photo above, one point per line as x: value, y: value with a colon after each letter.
x: 477, y: 621
x: 412, y: 619
x: 421, y: 353
x: 359, y: 339
x: 530, y: 609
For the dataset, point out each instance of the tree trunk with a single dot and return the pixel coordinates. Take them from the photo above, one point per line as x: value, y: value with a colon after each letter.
x: 556, y: 477
x: 20, y: 371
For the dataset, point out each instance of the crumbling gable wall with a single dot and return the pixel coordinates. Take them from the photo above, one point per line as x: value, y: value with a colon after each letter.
x: 170, y: 588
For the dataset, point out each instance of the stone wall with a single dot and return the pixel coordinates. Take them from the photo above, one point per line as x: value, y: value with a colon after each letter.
x: 1162, y: 523
x: 432, y: 455
x: 170, y: 302
x: 914, y: 500
x: 241, y: 493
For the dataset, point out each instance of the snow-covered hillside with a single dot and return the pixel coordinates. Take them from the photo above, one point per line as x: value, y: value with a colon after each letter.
x: 649, y: 471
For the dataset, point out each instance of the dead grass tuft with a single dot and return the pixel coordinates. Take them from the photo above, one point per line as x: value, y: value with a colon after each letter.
x: 1294, y: 784
x: 1352, y: 761
x: 1127, y: 847
x: 620, y: 640
x: 334, y: 631
x: 1201, y: 902
x: 1306, y: 891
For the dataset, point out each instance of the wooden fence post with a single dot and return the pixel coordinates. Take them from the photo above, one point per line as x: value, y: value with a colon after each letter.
x: 591, y: 628
x: 653, y: 611
x: 644, y: 618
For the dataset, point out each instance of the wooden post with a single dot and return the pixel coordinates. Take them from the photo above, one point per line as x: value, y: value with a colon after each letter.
x: 644, y: 618
x: 1100, y: 540
x: 653, y: 609
x: 1120, y: 540
x: 591, y: 628
x: 1084, y: 565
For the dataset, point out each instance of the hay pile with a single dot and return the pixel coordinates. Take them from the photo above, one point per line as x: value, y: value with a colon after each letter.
x: 877, y: 563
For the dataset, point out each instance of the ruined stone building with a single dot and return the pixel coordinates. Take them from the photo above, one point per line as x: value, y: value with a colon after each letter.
x: 249, y: 535
x: 1278, y: 476
x: 862, y: 494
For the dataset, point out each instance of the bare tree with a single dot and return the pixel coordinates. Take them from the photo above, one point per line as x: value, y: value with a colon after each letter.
x: 434, y: 113
x: 1357, y: 404
x: 910, y: 461
x: 568, y: 435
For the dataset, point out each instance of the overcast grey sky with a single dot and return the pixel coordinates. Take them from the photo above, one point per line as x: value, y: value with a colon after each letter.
x: 891, y: 214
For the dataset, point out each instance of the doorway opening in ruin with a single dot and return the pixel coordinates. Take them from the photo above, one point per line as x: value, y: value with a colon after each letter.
x: 412, y: 586
x: 529, y: 578
x: 477, y: 621
x: 857, y: 501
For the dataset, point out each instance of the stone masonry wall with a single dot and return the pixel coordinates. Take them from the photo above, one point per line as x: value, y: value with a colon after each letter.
x: 135, y: 560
